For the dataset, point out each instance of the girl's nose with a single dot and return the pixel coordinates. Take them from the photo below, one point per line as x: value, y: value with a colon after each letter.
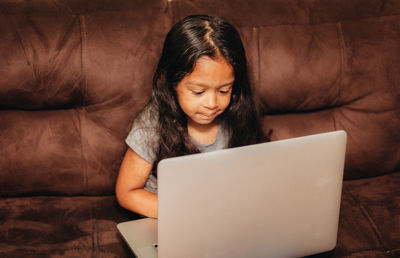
x: 211, y: 101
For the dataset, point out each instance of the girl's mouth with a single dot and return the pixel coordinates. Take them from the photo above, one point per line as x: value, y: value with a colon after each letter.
x: 208, y: 116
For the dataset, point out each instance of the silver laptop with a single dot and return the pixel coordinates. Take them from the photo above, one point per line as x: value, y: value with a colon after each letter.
x: 276, y: 199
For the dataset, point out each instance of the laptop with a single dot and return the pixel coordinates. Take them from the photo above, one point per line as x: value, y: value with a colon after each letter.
x: 275, y: 199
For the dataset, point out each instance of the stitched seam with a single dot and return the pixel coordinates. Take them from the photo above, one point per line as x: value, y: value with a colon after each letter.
x: 258, y: 75
x: 260, y: 101
x: 374, y: 226
x: 83, y: 167
x: 95, y: 237
x: 342, y: 48
x: 84, y: 83
x: 83, y: 53
x: 370, y: 220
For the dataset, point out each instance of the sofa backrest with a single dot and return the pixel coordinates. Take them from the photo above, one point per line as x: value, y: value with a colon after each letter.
x: 74, y: 74
x: 319, y: 66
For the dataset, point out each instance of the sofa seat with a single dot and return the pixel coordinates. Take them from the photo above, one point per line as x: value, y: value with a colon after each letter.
x: 62, y: 226
x: 82, y: 226
x: 369, y: 223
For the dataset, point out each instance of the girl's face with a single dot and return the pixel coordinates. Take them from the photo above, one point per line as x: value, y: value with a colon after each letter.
x: 206, y: 92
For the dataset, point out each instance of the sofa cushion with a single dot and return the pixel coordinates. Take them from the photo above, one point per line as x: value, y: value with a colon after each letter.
x: 73, y: 76
x: 62, y: 227
x: 338, y: 76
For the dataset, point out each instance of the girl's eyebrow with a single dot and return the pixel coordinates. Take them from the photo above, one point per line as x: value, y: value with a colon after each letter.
x: 206, y: 85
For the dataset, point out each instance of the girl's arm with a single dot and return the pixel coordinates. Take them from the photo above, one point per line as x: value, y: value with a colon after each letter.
x: 131, y: 179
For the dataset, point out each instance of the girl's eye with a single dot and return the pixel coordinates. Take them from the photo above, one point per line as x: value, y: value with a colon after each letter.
x: 197, y: 92
x: 224, y: 91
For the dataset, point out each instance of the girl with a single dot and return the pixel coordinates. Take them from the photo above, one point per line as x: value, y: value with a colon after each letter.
x: 201, y: 102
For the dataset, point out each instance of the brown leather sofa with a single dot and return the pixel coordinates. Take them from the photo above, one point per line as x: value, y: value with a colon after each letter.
x: 74, y: 74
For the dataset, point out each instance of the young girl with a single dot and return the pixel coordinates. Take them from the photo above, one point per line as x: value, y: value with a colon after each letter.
x: 201, y: 102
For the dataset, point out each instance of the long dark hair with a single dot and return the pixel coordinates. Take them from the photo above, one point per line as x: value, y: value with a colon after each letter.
x: 188, y: 40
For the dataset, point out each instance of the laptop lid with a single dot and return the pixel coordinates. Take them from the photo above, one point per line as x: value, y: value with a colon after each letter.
x: 276, y: 199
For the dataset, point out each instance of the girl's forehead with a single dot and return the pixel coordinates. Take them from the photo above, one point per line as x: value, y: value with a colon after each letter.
x: 211, y: 69
x: 207, y: 60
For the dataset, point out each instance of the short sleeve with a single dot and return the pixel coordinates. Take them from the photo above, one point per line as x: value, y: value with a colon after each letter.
x: 143, y: 137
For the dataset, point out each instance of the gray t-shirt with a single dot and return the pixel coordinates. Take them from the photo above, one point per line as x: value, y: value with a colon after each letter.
x: 144, y: 140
